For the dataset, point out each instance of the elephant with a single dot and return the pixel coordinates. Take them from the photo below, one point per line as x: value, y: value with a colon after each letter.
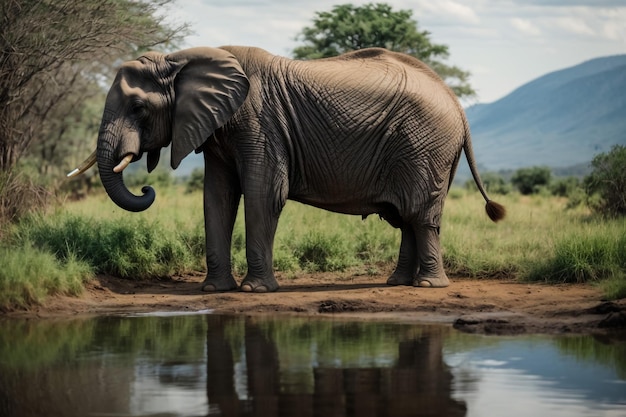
x: 368, y: 132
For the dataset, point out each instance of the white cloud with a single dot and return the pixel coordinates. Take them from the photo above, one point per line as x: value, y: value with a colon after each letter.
x: 575, y: 25
x: 525, y: 26
x: 505, y: 43
x: 447, y: 11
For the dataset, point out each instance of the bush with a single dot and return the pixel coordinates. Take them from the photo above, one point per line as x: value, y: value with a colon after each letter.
x: 494, y: 183
x: 530, y: 180
x: 565, y: 187
x: 161, y: 177
x: 19, y: 196
x: 606, y: 185
x: 195, y: 181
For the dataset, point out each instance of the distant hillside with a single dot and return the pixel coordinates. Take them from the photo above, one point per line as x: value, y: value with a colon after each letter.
x: 561, y: 119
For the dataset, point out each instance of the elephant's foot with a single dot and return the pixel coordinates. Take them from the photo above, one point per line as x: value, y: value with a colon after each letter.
x: 268, y: 284
x: 219, y: 285
x: 439, y: 281
x: 399, y: 278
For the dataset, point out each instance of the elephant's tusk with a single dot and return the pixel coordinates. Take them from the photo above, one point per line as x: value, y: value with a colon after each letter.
x: 124, y: 163
x: 88, y: 163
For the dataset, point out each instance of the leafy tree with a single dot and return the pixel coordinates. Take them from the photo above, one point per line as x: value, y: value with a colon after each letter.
x: 347, y: 28
x: 607, y: 182
x: 55, y: 56
x: 54, y: 53
x: 530, y: 180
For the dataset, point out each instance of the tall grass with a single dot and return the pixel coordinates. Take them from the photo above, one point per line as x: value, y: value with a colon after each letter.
x: 29, y: 275
x: 134, y: 248
x: 539, y: 240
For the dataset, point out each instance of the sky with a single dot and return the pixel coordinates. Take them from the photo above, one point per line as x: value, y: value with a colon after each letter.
x: 503, y: 43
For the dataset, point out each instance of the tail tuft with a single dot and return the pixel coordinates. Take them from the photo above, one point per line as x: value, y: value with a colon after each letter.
x: 495, y: 211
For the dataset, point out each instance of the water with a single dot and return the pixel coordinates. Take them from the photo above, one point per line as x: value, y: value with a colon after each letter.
x: 214, y: 365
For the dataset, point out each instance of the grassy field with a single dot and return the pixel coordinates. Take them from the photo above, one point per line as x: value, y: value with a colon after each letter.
x: 540, y: 240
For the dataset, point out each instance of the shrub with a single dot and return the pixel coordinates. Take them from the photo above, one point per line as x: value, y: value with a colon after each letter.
x: 530, y: 180
x: 606, y: 185
x: 161, y: 177
x: 195, y: 181
x: 19, y: 196
x: 494, y: 183
x: 565, y: 187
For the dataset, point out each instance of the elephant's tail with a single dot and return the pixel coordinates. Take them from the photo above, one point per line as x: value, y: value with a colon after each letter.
x: 494, y: 210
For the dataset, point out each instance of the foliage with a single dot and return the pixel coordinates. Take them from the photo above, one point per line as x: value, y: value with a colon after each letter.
x: 28, y: 275
x: 54, y: 59
x: 592, y: 254
x: 530, y: 180
x: 607, y: 181
x: 195, y: 181
x: 323, y: 252
x: 538, y: 241
x: 161, y: 178
x: 135, y: 249
x: 347, y: 28
x: 494, y: 183
x: 565, y: 187
x: 18, y: 196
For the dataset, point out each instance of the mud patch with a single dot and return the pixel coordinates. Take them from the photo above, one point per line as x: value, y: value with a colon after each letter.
x: 342, y: 306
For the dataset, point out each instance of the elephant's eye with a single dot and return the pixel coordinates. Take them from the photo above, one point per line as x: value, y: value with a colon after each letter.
x: 139, y: 110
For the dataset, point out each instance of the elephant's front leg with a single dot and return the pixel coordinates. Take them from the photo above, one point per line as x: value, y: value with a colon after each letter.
x: 221, y: 201
x: 261, y: 223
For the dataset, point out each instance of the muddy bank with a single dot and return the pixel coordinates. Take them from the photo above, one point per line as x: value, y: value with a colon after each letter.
x: 471, y: 305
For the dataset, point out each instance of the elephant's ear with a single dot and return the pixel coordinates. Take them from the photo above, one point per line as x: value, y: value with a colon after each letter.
x: 209, y: 87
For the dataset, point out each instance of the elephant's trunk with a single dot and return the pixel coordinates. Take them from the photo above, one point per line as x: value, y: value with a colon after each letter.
x: 114, y: 183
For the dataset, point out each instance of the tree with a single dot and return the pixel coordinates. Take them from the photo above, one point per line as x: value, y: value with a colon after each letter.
x: 529, y: 180
x: 347, y: 28
x: 54, y: 52
x: 607, y: 182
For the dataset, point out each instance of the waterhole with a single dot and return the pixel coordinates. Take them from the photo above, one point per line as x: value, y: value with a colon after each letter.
x: 214, y: 365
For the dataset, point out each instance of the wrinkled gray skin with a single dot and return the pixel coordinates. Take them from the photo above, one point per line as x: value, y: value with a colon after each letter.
x: 367, y: 132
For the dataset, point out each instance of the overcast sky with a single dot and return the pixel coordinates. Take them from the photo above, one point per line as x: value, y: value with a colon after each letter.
x: 503, y: 43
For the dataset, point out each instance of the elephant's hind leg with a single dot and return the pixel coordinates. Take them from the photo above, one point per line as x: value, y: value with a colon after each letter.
x: 268, y: 284
x: 431, y: 272
x: 406, y: 268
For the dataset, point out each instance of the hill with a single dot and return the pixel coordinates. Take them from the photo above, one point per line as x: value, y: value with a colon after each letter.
x: 561, y: 119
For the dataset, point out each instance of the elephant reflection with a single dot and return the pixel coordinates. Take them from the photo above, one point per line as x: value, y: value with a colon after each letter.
x: 419, y: 383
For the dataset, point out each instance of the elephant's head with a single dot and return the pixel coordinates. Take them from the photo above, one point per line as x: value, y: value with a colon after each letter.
x: 158, y: 99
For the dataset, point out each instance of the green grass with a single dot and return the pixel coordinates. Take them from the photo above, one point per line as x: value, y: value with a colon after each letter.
x: 29, y: 275
x: 540, y: 240
x: 135, y: 248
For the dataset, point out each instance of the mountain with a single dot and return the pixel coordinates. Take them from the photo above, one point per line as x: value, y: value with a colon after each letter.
x: 561, y: 119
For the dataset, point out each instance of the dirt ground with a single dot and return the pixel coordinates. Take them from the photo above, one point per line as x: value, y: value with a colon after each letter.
x: 472, y: 305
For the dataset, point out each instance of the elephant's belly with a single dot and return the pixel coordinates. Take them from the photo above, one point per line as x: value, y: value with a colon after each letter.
x: 358, y: 207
